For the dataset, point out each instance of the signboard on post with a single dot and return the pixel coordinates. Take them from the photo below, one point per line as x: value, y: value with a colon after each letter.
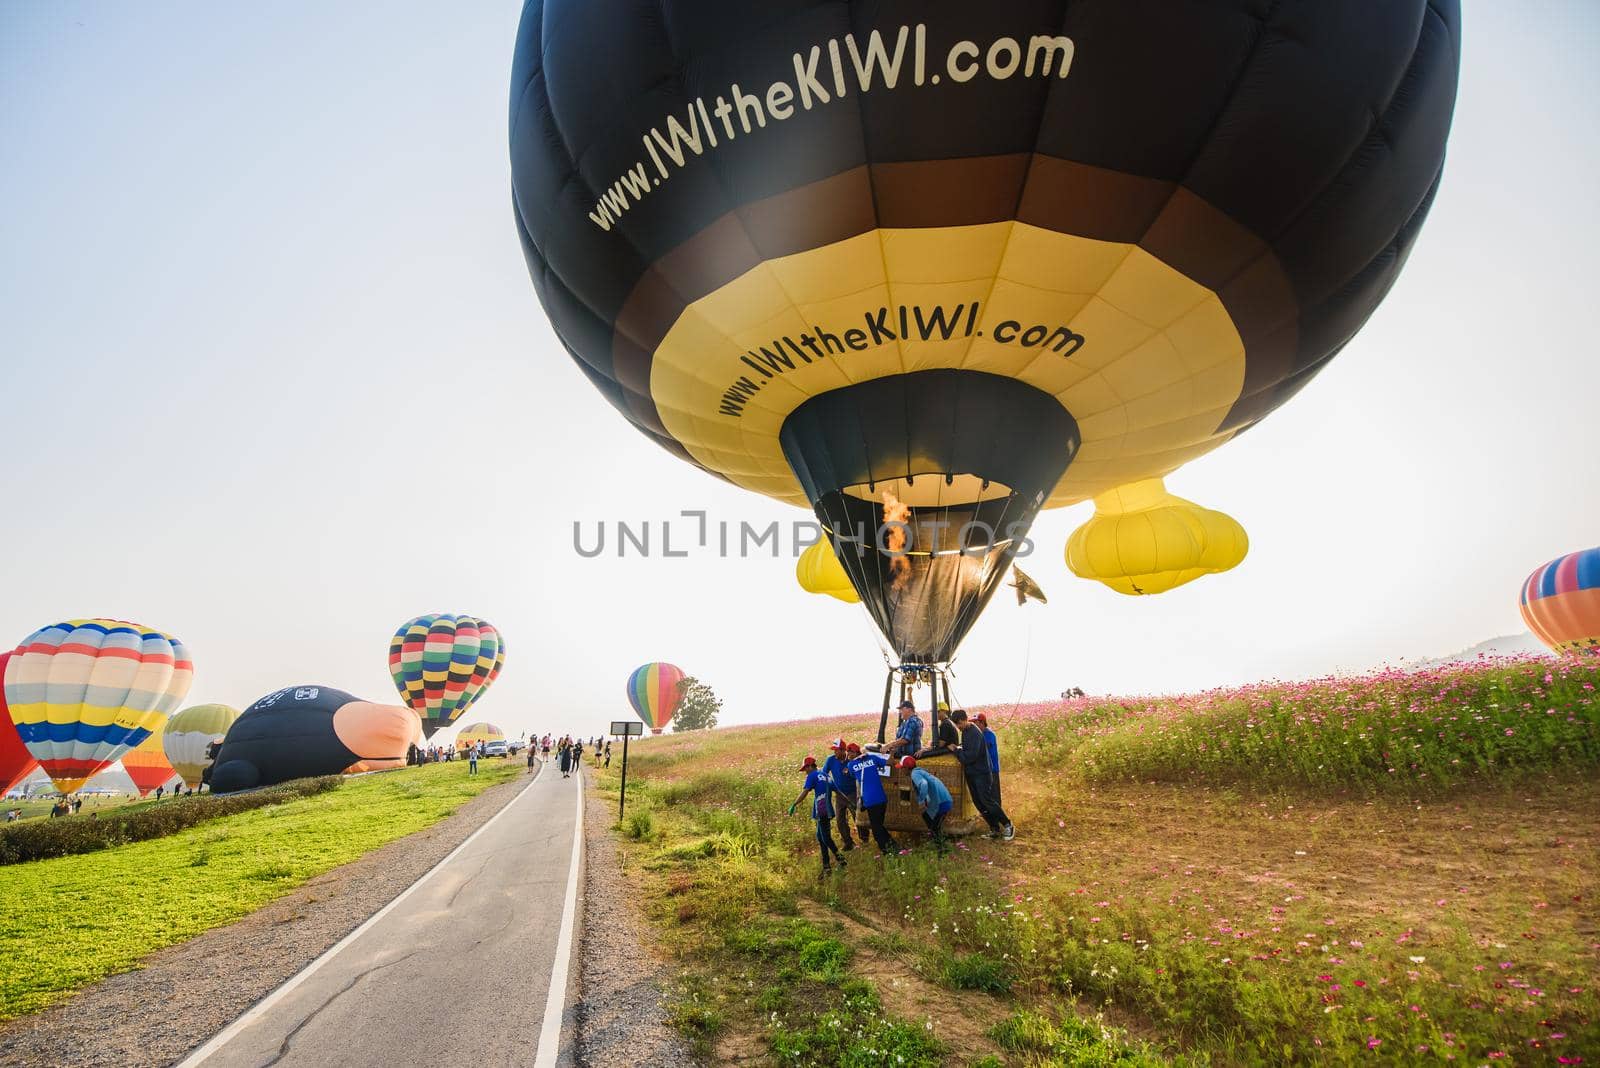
x: 628, y: 728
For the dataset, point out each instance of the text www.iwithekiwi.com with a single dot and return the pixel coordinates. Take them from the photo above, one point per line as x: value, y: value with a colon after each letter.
x: 887, y: 326
x: 823, y: 74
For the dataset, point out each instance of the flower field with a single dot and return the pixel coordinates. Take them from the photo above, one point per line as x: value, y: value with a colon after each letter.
x: 1497, y: 720
x: 1399, y: 867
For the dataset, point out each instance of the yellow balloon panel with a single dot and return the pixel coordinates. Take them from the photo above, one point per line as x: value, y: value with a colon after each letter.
x: 1144, y: 540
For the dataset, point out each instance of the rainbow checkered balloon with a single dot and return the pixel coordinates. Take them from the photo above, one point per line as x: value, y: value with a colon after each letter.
x: 443, y: 663
x: 84, y: 692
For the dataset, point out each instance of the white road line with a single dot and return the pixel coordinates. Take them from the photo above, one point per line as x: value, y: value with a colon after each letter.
x: 256, y: 1011
x: 556, y: 1001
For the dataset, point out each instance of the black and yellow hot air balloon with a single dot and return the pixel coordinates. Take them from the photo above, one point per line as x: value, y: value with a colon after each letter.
x: 928, y: 266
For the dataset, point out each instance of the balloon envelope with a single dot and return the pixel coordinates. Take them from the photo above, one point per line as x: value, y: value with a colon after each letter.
x: 300, y: 731
x: 478, y: 733
x: 84, y: 692
x: 443, y: 663
x: 187, y: 736
x: 16, y: 763
x: 654, y: 691
x: 146, y: 764
x: 984, y: 258
x: 1561, y: 602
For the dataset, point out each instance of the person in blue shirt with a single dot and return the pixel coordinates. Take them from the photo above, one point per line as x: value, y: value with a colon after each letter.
x: 974, y: 757
x: 908, y: 736
x: 870, y: 769
x: 933, y: 800
x: 844, y: 791
x: 821, y: 792
x: 992, y: 747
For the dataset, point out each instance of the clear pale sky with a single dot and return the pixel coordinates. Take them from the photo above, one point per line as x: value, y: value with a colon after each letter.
x: 276, y: 381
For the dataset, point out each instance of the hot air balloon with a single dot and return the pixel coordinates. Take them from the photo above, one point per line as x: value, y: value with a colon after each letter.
x: 1561, y: 603
x: 188, y: 736
x: 477, y: 734
x: 16, y: 763
x: 300, y: 731
x: 929, y: 267
x: 84, y: 692
x: 146, y: 764
x: 818, y: 571
x: 654, y: 691
x: 443, y: 663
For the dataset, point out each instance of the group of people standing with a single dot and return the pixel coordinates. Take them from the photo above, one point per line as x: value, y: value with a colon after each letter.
x: 569, y: 752
x: 851, y: 778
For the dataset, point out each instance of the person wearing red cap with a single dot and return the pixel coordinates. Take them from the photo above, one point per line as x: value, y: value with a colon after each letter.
x: 933, y: 800
x: 844, y: 790
x: 991, y: 746
x: 821, y: 811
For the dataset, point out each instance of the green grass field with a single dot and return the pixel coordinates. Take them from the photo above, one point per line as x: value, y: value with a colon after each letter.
x: 67, y: 922
x: 1395, y: 867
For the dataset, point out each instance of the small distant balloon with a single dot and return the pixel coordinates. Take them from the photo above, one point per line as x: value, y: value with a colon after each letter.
x: 146, y: 764
x: 188, y: 736
x: 478, y: 734
x: 654, y: 691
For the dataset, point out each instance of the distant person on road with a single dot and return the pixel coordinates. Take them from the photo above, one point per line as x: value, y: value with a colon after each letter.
x: 608, y: 752
x: 533, y: 756
x: 933, y: 800
x: 991, y: 746
x: 870, y: 769
x: 817, y: 785
x: 844, y: 791
x: 562, y: 757
x: 160, y: 790
x: 980, y: 783
x: 472, y: 761
x: 577, y: 755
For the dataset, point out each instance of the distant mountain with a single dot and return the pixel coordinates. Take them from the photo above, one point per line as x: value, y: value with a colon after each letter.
x: 1523, y: 644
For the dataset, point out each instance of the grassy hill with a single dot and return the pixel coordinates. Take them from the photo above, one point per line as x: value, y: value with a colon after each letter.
x: 1401, y: 866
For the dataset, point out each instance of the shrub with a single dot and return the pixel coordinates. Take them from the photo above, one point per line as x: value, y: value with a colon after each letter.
x: 43, y: 839
x: 975, y: 971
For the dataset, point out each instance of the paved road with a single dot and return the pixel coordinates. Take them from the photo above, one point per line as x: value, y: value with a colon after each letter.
x: 457, y: 971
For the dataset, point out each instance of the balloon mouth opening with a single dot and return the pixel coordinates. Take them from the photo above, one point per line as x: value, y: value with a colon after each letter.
x: 926, y: 484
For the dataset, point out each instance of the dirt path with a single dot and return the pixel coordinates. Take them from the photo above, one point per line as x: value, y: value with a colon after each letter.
x: 184, y: 994
x: 621, y: 1021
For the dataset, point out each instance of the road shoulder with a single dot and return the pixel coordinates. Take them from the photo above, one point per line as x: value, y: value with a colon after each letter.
x: 621, y: 1021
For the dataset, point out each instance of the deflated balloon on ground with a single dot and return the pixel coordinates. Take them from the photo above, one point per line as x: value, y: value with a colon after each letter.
x: 301, y: 731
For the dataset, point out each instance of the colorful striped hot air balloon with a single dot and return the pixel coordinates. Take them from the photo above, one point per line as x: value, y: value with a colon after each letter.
x: 443, y: 663
x: 16, y: 763
x: 146, y: 764
x: 654, y: 691
x: 189, y: 734
x: 84, y: 692
x: 1561, y: 603
x: 477, y: 734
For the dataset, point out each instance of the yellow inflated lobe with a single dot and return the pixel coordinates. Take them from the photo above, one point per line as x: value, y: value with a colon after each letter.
x: 819, y: 571
x: 1143, y: 540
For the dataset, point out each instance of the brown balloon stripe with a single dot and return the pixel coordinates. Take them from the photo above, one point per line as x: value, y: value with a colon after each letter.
x: 1162, y: 217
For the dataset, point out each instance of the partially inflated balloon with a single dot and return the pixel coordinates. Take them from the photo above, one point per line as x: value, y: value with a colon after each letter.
x: 443, y: 663
x: 189, y: 734
x: 477, y: 734
x: 1561, y: 603
x: 819, y: 571
x: 1142, y: 539
x: 83, y: 693
x: 301, y: 731
x: 654, y: 691
x: 942, y: 263
x: 146, y: 764
x: 16, y: 763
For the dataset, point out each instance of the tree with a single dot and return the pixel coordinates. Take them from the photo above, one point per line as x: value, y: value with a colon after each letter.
x: 697, y: 708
